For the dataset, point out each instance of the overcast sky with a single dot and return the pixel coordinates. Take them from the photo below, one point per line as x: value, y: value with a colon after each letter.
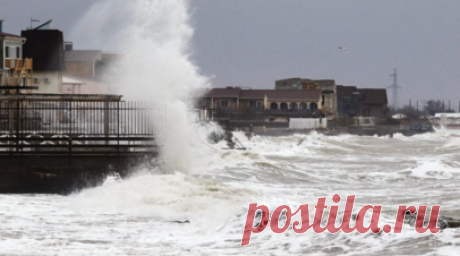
x: 252, y: 43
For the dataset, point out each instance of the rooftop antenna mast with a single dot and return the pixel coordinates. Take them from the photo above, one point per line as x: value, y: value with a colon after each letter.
x: 396, y: 88
x: 32, y: 20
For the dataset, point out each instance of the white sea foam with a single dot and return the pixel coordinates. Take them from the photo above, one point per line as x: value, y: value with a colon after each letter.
x: 154, y: 37
x: 136, y: 215
x: 435, y: 169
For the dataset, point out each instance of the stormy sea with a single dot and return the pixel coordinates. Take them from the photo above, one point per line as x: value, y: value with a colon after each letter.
x: 194, y: 200
x: 203, y: 212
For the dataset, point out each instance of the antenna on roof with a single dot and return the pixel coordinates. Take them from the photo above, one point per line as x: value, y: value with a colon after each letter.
x: 32, y: 20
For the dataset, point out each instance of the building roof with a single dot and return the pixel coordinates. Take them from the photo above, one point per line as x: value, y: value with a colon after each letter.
x: 46, y: 25
x: 253, y: 94
x: 9, y: 35
x: 399, y: 116
x: 228, y: 92
x: 374, y: 96
x: 345, y: 91
x: 293, y: 95
x: 273, y: 95
x: 447, y: 115
x: 69, y: 80
x: 61, y: 97
x: 112, y: 56
x: 82, y: 55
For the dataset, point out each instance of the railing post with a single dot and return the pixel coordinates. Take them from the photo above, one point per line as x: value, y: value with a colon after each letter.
x: 106, y: 121
x: 17, y: 126
x: 70, y: 146
x: 118, y: 127
x: 70, y: 118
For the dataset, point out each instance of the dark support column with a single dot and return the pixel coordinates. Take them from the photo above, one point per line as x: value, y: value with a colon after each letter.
x: 118, y: 127
x: 17, y: 126
x: 106, y: 121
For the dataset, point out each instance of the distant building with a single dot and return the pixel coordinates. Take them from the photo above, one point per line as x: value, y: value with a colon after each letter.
x: 348, y: 101
x: 354, y: 102
x: 327, y: 87
x: 374, y: 102
x: 82, y: 63
x: 46, y: 47
x: 89, y: 66
x: 446, y: 120
x: 234, y: 102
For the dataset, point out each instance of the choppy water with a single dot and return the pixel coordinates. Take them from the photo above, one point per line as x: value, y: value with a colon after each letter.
x: 136, y: 216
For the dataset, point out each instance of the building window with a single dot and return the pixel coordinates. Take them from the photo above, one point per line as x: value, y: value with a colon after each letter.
x: 252, y: 103
x: 224, y: 103
x: 303, y: 106
x: 13, y: 50
x: 284, y: 105
x: 273, y: 105
x: 293, y: 105
x: 313, y: 106
x: 259, y: 105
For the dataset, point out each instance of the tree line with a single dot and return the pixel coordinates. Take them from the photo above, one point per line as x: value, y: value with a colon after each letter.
x: 429, y: 107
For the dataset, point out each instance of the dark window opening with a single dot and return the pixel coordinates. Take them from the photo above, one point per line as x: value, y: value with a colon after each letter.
x: 7, y: 51
x: 303, y: 106
x: 313, y: 106
x: 348, y: 107
x: 259, y: 105
x: 273, y: 105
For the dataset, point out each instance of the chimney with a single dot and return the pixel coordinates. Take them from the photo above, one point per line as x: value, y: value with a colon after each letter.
x: 68, y: 46
x: 1, y: 26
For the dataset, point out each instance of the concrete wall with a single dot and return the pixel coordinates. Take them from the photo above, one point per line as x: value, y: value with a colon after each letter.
x: 54, y: 82
x: 79, y: 68
x: 88, y: 86
x: 307, y: 123
x: 377, y: 111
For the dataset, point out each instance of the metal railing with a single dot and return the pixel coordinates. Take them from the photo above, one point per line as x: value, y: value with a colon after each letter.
x: 67, y: 127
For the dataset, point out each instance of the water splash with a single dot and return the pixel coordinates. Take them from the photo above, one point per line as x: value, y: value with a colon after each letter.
x: 154, y: 37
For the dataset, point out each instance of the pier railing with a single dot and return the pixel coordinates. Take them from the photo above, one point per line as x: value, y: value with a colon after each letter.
x: 77, y: 127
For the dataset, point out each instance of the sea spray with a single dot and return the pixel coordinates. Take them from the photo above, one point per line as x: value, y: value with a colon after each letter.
x: 154, y: 37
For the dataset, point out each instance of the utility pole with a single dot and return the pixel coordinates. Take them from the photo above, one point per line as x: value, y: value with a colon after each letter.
x: 395, y: 87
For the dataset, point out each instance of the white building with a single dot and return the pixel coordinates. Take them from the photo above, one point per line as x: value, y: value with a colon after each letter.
x: 448, y: 120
